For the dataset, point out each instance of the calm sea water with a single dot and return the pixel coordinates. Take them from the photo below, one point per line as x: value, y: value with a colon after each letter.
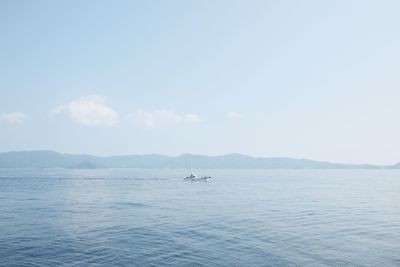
x: 135, y: 217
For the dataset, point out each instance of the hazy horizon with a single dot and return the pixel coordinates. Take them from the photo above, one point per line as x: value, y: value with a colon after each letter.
x: 211, y: 156
x: 314, y: 80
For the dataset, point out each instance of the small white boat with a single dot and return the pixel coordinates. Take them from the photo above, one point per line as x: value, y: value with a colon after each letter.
x: 195, y: 178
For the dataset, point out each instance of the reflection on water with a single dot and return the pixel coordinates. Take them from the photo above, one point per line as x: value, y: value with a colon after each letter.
x: 243, y: 217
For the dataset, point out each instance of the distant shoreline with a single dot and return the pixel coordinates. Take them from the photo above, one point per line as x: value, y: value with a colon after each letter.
x: 50, y: 159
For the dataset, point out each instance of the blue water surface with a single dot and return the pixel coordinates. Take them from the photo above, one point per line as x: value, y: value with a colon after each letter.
x: 137, y: 217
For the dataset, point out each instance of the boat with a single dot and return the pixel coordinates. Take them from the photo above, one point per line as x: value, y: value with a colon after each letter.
x: 194, y: 178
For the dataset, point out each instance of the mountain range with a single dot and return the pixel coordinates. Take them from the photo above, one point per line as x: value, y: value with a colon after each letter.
x: 52, y: 159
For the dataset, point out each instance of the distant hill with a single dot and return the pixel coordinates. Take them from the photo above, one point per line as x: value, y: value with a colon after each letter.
x: 84, y: 165
x: 52, y: 159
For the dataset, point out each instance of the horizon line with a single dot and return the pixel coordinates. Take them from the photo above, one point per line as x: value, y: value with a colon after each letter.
x: 203, y: 155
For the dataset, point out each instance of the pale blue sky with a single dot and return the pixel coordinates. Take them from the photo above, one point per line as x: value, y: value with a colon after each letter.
x: 305, y: 79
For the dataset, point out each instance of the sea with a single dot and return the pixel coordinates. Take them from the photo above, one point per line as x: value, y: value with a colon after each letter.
x: 152, y: 217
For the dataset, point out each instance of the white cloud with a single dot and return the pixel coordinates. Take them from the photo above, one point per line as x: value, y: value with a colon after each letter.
x: 192, y: 118
x: 234, y: 115
x: 163, y: 118
x: 89, y: 110
x: 13, y: 117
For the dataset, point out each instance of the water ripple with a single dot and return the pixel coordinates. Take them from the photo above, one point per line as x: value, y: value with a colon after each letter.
x: 244, y: 218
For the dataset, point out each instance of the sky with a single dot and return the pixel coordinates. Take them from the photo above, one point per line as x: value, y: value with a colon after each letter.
x: 303, y: 79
